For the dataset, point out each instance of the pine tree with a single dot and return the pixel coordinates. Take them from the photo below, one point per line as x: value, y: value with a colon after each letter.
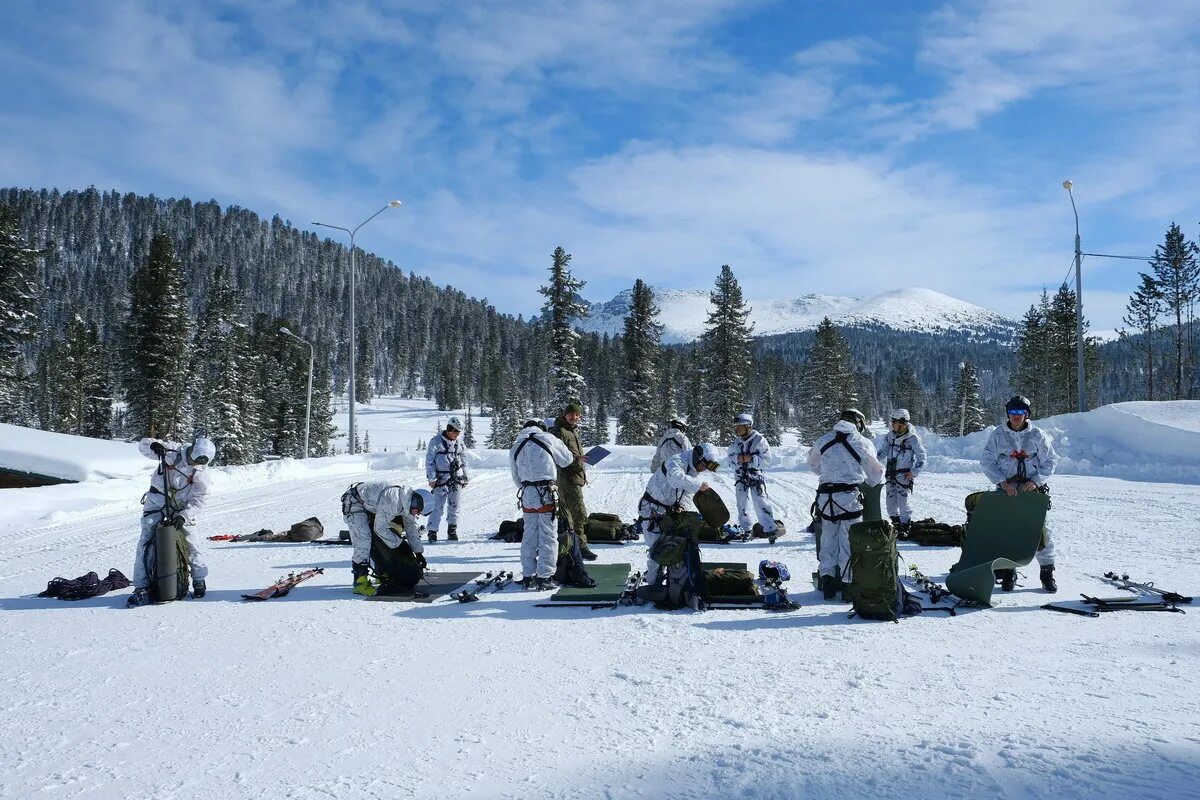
x: 725, y: 350
x: 506, y: 422
x: 1143, y: 311
x: 226, y: 400
x: 561, y: 308
x: 18, y: 314
x: 1177, y: 278
x: 667, y: 388
x: 363, y: 365
x: 694, y: 396
x: 766, y: 415
x: 638, y: 420
x: 469, y: 433
x: 84, y: 405
x: 906, y: 392
x: 1031, y: 377
x: 596, y: 431
x: 967, y: 414
x: 366, y: 448
x: 157, y: 346
x: 827, y: 384
x: 321, y: 422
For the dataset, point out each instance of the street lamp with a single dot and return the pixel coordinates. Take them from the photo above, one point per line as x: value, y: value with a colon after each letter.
x: 353, y: 352
x: 308, y: 405
x: 1079, y: 369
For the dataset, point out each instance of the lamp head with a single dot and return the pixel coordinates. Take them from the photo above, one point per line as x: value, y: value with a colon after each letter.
x: 394, y: 204
x: 1067, y: 184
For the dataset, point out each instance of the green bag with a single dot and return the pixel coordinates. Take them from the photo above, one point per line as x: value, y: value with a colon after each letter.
x: 724, y: 582
x: 669, y: 550
x: 689, y: 524
x: 601, y: 527
x: 875, y: 588
x: 929, y: 533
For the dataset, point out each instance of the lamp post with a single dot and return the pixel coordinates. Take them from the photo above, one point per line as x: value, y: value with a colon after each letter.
x: 1079, y: 369
x: 308, y: 405
x: 353, y: 350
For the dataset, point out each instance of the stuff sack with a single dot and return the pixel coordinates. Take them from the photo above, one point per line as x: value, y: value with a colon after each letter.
x: 601, y: 527
x: 396, y: 569
x: 680, y: 579
x: 512, y: 530
x: 929, y: 533
x: 309, y: 530
x: 170, y: 574
x: 758, y: 533
x: 691, y: 525
x: 725, y: 582
x: 876, y: 591
x: 569, y: 571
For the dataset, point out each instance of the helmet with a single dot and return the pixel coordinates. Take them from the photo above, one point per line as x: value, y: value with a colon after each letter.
x: 706, y: 454
x: 855, y: 416
x: 421, y: 500
x: 1018, y: 403
x: 743, y: 419
x: 202, y: 451
x: 676, y: 422
x: 534, y: 423
x: 900, y: 414
x: 454, y: 424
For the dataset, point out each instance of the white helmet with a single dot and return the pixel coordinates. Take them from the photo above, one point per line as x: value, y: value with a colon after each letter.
x: 679, y: 423
x: 901, y: 414
x: 706, y: 453
x: 201, y: 452
x: 422, y: 500
x: 454, y: 424
x: 743, y: 419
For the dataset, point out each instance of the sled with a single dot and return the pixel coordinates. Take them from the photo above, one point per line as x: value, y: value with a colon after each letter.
x: 1004, y: 533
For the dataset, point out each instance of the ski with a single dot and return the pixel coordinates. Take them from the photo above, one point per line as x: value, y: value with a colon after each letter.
x: 1123, y: 582
x: 495, y: 583
x: 284, y: 585
x: 331, y: 541
x: 1130, y: 604
x: 1083, y: 612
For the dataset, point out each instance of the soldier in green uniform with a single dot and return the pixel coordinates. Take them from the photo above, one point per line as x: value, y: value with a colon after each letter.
x: 572, y: 479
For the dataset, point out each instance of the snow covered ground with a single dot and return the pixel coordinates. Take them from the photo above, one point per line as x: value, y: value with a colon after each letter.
x: 321, y: 694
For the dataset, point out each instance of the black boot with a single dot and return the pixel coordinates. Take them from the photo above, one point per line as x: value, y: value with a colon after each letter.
x: 546, y: 584
x: 895, y: 521
x: 432, y: 536
x: 1047, y: 576
x: 140, y: 597
x: 199, y: 589
x: 829, y: 587
x: 452, y: 533
x: 587, y: 554
x: 358, y: 570
x: 1007, y: 578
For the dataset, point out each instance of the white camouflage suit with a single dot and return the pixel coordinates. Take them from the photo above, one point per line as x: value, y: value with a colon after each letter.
x: 675, y: 480
x: 672, y: 443
x: 534, y: 460
x: 750, y: 483
x: 909, y: 454
x: 1000, y: 463
x: 186, y: 485
x: 382, y: 502
x: 837, y: 466
x: 446, y: 470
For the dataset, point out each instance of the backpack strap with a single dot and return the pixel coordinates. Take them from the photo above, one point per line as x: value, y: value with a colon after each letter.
x: 842, y: 438
x: 534, y: 438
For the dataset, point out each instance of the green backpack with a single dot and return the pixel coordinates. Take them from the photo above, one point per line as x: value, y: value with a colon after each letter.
x: 876, y: 591
x: 691, y: 525
x: 601, y: 527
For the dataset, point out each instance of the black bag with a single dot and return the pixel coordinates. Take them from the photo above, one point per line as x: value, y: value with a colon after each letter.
x: 396, y: 569
x: 929, y: 533
x: 85, y: 586
x: 512, y: 530
x: 309, y: 530
x: 569, y: 571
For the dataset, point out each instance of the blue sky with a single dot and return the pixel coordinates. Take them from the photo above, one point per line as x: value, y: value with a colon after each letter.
x: 835, y: 147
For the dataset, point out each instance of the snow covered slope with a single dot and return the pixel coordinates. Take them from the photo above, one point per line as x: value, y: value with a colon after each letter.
x: 684, y: 312
x: 71, y: 458
x: 325, y: 695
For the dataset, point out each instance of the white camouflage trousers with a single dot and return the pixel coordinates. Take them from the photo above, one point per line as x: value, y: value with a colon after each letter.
x: 834, y: 557
x: 539, y: 543
x: 141, y: 579
x: 898, y: 501
x: 757, y: 497
x: 445, y: 501
x: 361, y: 525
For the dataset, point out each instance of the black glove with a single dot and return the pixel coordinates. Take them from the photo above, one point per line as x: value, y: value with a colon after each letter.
x: 177, y: 521
x: 158, y: 449
x: 421, y: 560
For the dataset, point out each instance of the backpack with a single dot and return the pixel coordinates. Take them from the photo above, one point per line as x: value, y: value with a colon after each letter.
x: 511, y: 530
x: 397, y: 569
x: 309, y: 530
x: 876, y: 591
x: 569, y: 571
x: 602, y: 527
x: 726, y: 582
x: 691, y: 525
x: 680, y: 580
x: 929, y: 533
x: 161, y: 587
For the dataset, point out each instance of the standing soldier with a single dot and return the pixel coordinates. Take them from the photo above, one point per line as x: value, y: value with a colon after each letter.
x: 446, y: 472
x: 673, y: 442
x: 746, y: 455
x: 1019, y: 457
x: 843, y: 458
x: 903, y: 458
x: 573, y: 477
x: 535, y: 459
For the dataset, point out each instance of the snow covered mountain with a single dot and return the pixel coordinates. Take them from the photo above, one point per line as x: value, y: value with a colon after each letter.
x: 919, y: 310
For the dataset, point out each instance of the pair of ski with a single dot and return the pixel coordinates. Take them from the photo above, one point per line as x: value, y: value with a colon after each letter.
x: 1104, y: 604
x: 489, y: 582
x: 284, y: 585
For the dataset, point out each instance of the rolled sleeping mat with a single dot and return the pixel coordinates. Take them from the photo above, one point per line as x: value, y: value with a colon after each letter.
x: 166, y: 562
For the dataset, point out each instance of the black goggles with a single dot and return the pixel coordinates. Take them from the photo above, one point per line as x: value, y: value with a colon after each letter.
x: 200, y: 461
x: 712, y: 465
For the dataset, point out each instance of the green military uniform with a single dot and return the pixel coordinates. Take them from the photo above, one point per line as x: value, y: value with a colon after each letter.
x: 571, y: 481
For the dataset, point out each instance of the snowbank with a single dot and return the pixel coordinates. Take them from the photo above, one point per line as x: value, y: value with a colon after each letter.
x: 71, y: 458
x: 1142, y: 441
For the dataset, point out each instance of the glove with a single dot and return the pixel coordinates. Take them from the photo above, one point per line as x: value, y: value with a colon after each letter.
x: 177, y: 521
x: 421, y: 560
x: 158, y: 449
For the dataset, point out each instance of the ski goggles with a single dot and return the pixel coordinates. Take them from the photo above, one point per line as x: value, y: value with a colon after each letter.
x: 711, y: 465
x: 1018, y: 413
x: 200, y: 461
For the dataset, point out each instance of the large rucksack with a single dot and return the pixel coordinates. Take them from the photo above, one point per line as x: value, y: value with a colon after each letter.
x: 690, y: 524
x: 680, y: 579
x: 398, y: 569
x: 569, y: 571
x: 601, y: 527
x: 930, y: 533
x: 876, y: 591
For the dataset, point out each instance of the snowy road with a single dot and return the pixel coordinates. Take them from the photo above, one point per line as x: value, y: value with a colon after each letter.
x: 324, y: 695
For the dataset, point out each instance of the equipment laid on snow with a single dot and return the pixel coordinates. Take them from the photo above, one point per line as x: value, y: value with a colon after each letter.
x: 1002, y: 533
x: 930, y: 533
x: 876, y: 591
x: 569, y: 570
x: 511, y: 530
x: 935, y: 591
x: 284, y: 585
x: 309, y: 530
x: 1083, y: 612
x: 680, y: 582
x: 397, y: 569
x: 608, y: 529
x: 494, y: 583
x: 433, y: 585
x: 1130, y: 604
x: 1123, y: 582
x: 85, y: 586
x: 757, y: 531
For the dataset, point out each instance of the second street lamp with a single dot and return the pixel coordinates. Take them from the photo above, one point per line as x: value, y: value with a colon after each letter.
x: 353, y: 353
x: 308, y: 405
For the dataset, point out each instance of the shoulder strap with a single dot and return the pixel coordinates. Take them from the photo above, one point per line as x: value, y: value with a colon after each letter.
x: 536, y: 441
x: 842, y: 438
